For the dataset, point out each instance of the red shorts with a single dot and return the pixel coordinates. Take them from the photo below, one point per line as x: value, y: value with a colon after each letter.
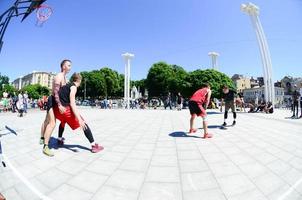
x: 66, y: 117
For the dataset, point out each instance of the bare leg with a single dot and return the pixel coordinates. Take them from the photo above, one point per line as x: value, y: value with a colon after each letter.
x: 192, y: 122
x: 205, y: 127
x: 44, y: 124
x: 50, y: 126
x: 48, y: 131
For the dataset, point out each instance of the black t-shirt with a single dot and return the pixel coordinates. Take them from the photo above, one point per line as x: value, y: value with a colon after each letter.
x: 296, y: 95
x: 64, y: 94
x: 229, y: 97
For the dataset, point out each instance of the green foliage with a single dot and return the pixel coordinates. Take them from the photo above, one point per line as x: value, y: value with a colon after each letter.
x: 8, y: 88
x: 4, y: 84
x: 163, y: 78
x: 36, y: 91
x: 94, y: 83
x: 215, y: 78
x: 3, y: 80
x: 179, y: 81
x: 111, y: 80
x: 159, y: 78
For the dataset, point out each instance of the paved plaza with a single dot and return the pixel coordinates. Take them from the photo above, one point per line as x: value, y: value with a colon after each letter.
x: 149, y: 156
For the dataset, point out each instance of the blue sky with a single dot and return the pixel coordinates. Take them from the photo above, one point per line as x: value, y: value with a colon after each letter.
x: 94, y: 34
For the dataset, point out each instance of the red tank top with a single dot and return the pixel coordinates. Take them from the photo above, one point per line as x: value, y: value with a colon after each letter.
x: 200, y: 96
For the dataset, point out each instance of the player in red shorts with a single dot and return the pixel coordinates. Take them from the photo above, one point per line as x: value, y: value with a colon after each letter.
x: 71, y: 116
x: 199, y: 99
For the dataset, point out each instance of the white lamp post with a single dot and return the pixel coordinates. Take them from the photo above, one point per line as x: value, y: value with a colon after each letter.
x: 214, y: 56
x: 127, y: 57
x: 253, y: 11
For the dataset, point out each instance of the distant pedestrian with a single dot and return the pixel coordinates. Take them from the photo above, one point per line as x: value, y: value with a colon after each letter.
x: 296, y: 98
x: 20, y: 104
x: 301, y: 101
x: 25, y: 101
x: 179, y: 101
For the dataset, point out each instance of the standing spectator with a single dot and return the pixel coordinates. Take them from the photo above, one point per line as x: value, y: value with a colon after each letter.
x: 179, y: 101
x: 5, y: 101
x: 25, y: 101
x: 20, y: 104
x: 14, y: 102
x: 241, y: 104
x: 296, y: 95
x: 301, y: 100
x: 168, y: 101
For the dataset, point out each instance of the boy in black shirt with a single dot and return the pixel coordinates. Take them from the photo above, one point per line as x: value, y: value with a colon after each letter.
x: 229, y: 97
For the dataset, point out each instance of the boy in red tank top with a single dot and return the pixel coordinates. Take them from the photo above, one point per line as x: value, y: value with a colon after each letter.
x: 198, y: 105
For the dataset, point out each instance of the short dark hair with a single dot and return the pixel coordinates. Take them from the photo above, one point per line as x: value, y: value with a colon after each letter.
x: 64, y: 61
x: 225, y: 87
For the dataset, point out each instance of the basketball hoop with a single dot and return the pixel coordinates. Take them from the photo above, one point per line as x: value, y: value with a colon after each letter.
x: 43, y: 13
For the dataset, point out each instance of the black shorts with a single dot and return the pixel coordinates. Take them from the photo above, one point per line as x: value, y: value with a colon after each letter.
x: 51, y: 102
x: 196, y: 109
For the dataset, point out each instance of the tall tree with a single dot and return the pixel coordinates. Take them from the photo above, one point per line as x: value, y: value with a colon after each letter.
x: 112, y: 81
x: 3, y: 80
x: 93, y: 83
x: 36, y: 91
x: 158, y: 79
x: 179, y: 80
x: 215, y: 78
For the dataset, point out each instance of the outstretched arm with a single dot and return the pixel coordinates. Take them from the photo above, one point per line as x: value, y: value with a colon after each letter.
x: 73, y: 91
x: 208, y: 99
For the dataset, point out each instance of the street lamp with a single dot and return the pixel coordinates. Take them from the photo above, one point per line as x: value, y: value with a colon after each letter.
x: 253, y: 11
x: 214, y: 56
x: 127, y: 57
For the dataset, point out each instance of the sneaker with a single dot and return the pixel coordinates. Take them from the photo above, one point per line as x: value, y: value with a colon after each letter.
x: 224, y: 124
x: 96, y: 148
x: 192, y: 130
x: 207, y: 135
x: 234, y: 123
x: 41, y: 141
x: 60, y: 141
x: 47, y: 151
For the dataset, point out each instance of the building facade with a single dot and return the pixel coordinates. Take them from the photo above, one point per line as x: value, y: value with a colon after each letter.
x: 42, y: 78
x: 251, y: 95
x: 241, y: 82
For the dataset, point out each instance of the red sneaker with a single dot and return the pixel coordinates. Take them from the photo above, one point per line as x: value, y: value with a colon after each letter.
x: 207, y: 135
x: 192, y: 130
x: 96, y: 148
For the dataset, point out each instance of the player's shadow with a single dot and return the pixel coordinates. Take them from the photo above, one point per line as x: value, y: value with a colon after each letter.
x: 213, y: 112
x: 182, y: 134
x: 291, y: 118
x: 72, y: 147
x: 212, y: 127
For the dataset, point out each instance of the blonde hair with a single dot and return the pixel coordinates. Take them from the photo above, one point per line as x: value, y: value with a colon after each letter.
x: 76, y: 77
